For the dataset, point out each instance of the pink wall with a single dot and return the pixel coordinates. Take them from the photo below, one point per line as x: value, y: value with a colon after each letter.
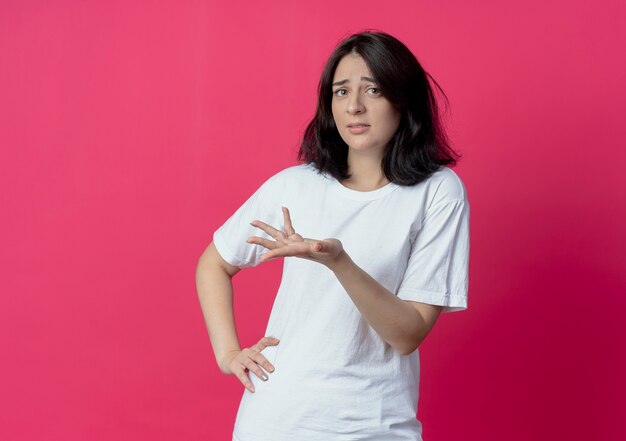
x: 130, y: 130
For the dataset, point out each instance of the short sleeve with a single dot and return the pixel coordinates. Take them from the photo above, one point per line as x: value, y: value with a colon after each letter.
x: 437, y: 270
x: 230, y: 238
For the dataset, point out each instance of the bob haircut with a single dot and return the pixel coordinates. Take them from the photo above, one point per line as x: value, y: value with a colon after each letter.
x: 418, y: 148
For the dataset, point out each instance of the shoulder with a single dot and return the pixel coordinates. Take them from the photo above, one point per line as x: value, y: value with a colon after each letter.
x: 446, y: 185
x: 293, y: 177
x: 301, y: 173
x: 442, y: 186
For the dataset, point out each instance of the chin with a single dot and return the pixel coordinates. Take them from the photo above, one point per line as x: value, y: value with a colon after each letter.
x: 366, y: 149
x: 363, y: 146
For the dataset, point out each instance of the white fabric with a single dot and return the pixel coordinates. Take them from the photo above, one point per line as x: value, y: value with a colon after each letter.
x: 335, y: 378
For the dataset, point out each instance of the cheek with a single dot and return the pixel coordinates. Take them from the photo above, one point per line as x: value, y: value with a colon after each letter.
x: 395, y: 120
x: 334, y: 111
x: 392, y: 124
x: 396, y: 124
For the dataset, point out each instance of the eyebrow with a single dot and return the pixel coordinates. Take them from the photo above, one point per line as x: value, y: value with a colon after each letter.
x: 342, y: 82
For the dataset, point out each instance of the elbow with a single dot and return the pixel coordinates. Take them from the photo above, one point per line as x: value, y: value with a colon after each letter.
x: 413, y: 336
x: 406, y: 350
x: 409, y: 346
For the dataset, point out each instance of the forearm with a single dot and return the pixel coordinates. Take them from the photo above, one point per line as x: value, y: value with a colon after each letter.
x: 397, y: 322
x: 215, y: 292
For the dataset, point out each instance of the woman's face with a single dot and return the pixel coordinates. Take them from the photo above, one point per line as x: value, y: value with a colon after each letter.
x: 365, y: 119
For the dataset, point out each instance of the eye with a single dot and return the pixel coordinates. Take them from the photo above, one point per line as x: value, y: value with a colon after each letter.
x: 373, y: 91
x: 340, y: 92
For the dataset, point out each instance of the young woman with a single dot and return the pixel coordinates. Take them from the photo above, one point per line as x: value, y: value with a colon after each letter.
x: 374, y: 228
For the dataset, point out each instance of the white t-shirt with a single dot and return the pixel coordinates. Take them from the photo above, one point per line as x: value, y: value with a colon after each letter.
x: 335, y: 378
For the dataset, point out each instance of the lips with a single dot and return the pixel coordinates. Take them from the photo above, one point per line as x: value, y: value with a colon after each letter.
x: 357, y: 128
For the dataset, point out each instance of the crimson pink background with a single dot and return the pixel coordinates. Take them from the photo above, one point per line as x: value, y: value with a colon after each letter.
x: 130, y: 130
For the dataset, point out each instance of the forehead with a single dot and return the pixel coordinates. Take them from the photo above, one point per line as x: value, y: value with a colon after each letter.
x: 350, y: 66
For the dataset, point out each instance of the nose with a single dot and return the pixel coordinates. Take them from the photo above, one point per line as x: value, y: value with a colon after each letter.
x: 355, y: 104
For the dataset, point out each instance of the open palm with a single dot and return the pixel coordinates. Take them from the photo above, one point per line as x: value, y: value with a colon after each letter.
x: 289, y: 243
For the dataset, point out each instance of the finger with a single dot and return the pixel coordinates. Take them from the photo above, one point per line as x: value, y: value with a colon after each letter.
x: 243, y: 377
x: 254, y: 367
x: 271, y: 340
x: 262, y: 361
x: 273, y: 232
x: 289, y: 231
x: 292, y: 249
x: 317, y: 246
x: 265, y: 342
x: 269, y: 244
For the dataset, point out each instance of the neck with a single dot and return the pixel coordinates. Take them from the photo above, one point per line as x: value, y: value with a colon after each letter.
x: 366, y: 173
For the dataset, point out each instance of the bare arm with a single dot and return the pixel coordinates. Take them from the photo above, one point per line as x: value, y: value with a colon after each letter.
x: 215, y: 292
x: 401, y: 323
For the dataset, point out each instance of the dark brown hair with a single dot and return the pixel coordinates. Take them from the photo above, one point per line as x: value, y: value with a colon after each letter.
x: 418, y: 148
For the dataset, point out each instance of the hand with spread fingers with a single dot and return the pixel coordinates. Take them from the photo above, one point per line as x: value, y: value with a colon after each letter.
x: 289, y: 243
